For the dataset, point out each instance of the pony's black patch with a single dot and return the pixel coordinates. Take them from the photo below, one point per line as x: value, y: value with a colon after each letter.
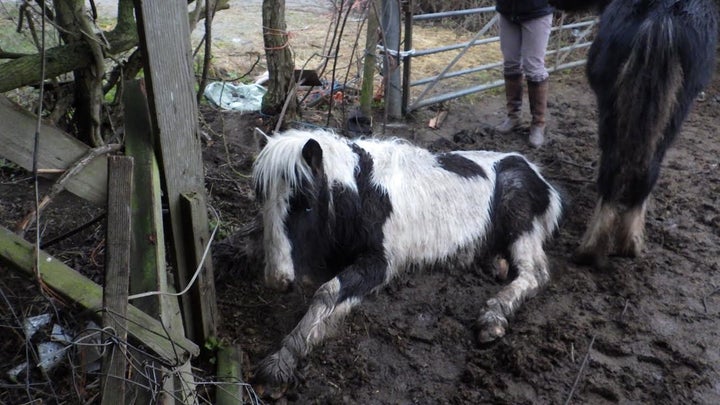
x: 520, y: 196
x: 358, y: 230
x: 460, y: 165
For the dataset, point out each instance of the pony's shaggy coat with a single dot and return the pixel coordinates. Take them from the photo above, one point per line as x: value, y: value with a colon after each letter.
x: 365, y: 210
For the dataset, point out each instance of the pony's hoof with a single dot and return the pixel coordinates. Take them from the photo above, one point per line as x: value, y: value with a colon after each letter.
x: 592, y: 259
x: 270, y: 391
x: 280, y: 283
x: 632, y: 248
x: 490, y: 334
x: 277, y: 369
x: 501, y: 268
x: 491, y: 327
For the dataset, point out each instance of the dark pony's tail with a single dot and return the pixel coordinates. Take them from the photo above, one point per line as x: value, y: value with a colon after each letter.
x: 648, y: 86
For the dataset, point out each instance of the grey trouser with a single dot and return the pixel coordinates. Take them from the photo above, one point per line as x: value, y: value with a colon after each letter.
x: 523, y: 46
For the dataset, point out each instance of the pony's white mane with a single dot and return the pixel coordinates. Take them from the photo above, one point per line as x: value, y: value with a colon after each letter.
x: 281, y: 160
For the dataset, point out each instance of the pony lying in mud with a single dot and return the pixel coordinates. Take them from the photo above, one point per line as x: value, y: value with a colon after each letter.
x: 647, y: 64
x: 366, y: 210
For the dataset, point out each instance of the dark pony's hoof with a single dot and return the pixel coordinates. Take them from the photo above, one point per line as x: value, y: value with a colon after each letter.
x: 598, y: 262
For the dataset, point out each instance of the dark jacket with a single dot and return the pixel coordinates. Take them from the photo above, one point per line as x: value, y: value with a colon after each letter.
x: 523, y: 10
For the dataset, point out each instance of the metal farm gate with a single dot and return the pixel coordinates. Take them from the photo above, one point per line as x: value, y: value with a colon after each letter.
x: 566, y: 49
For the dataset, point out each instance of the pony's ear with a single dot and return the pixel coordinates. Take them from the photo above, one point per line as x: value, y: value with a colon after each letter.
x: 261, y: 138
x: 313, y: 155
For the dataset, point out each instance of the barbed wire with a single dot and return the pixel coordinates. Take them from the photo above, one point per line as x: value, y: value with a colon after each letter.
x: 145, y: 370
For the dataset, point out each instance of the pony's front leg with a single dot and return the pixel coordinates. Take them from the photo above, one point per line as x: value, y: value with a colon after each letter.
x: 329, y: 305
x: 325, y: 311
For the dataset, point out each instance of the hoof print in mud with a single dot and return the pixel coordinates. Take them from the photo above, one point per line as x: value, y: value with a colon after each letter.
x: 593, y: 260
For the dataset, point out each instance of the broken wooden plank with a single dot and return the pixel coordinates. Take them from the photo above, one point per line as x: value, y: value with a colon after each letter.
x: 18, y: 254
x: 60, y: 184
x: 203, y: 292
x: 149, y: 269
x: 165, y: 42
x: 148, y: 244
x: 58, y: 150
x: 117, y: 276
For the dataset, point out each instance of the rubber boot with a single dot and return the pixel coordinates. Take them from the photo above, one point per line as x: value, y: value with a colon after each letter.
x: 538, y: 94
x: 513, y: 95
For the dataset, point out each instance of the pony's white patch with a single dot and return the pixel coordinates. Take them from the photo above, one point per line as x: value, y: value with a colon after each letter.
x: 430, y: 220
x: 279, y: 269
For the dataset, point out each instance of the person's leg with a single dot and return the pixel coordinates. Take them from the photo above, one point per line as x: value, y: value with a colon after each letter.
x: 535, y: 36
x: 511, y: 46
x: 510, y: 41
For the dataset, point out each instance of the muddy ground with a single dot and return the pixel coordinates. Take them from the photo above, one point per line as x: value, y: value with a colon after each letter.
x: 644, y: 331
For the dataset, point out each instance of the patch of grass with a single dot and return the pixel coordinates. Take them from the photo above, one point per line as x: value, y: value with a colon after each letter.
x: 11, y: 40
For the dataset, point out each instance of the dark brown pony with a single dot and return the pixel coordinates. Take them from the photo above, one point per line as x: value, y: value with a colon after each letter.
x: 647, y: 64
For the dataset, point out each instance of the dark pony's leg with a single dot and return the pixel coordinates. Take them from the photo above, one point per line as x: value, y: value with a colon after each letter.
x: 329, y: 305
x: 645, y: 85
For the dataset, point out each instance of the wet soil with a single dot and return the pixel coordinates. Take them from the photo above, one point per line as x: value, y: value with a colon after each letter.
x: 644, y: 330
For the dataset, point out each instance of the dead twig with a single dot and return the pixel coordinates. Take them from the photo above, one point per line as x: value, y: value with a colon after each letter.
x: 207, y: 57
x: 60, y: 184
x: 571, y: 163
x: 579, y: 374
x: 705, y: 297
x: 570, y: 179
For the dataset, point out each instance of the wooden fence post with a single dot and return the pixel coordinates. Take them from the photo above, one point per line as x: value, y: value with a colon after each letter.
x: 149, y: 269
x: 391, y: 65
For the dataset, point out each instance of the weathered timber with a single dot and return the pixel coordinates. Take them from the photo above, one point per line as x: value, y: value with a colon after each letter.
x: 58, y: 150
x: 117, y: 276
x: 60, y: 183
x: 148, y: 244
x: 194, y: 214
x: 370, y: 64
x: 165, y: 42
x: 229, y: 375
x: 149, y: 270
x: 18, y: 254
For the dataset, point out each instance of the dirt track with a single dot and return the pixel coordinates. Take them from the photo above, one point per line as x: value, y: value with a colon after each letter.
x: 653, y: 322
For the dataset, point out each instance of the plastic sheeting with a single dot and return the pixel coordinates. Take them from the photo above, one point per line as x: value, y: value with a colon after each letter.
x: 228, y: 96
